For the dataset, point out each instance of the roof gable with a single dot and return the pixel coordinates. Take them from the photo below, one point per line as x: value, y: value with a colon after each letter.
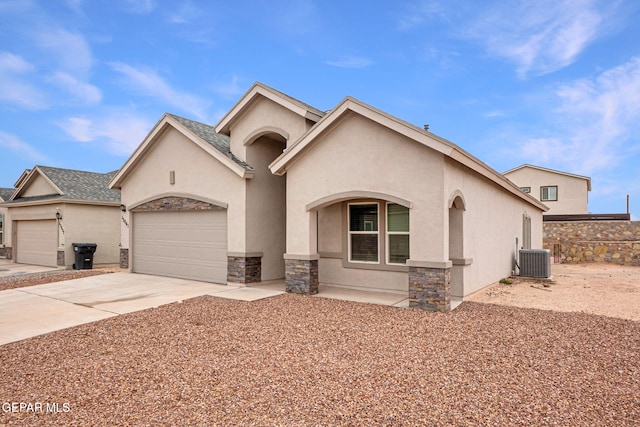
x: 557, y: 172
x: 421, y: 136
x: 202, y: 135
x: 259, y: 90
x: 65, y: 184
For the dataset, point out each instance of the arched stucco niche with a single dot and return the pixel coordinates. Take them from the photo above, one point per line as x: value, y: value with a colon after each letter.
x: 266, y: 214
x: 457, y: 207
x: 270, y: 132
x: 351, y: 195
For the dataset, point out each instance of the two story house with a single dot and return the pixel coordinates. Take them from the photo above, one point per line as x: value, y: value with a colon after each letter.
x: 564, y: 193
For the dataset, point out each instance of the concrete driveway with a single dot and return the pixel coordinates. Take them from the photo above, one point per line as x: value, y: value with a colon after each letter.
x: 35, y: 310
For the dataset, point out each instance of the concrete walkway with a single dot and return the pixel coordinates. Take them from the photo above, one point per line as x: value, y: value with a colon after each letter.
x: 35, y: 310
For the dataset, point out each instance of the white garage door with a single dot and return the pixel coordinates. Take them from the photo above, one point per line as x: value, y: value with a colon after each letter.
x: 37, y: 242
x: 185, y: 244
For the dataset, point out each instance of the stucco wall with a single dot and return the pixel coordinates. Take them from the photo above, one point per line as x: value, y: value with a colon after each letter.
x: 573, y: 196
x: 266, y: 204
x: 360, y: 155
x: 92, y: 224
x: 81, y: 224
x: 266, y: 115
x: 38, y: 187
x: 616, y: 242
x: 197, y: 175
x: 493, y: 219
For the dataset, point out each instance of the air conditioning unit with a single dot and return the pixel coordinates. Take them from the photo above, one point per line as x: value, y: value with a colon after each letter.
x: 535, y: 263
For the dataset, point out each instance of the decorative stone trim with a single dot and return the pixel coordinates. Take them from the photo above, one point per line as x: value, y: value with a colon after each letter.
x: 172, y: 203
x: 60, y: 259
x: 124, y: 258
x: 301, y: 276
x: 430, y: 288
x: 244, y: 269
x: 8, y: 252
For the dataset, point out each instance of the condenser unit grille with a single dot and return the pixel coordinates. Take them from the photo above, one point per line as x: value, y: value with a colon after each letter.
x: 535, y: 263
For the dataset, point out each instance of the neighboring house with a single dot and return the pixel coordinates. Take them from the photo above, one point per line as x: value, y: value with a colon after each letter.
x: 5, y: 194
x: 351, y: 197
x: 52, y: 208
x: 564, y: 193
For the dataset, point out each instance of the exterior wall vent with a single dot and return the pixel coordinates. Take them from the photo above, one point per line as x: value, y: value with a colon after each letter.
x: 535, y: 263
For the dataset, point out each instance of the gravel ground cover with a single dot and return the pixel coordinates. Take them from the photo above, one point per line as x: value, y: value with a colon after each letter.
x: 299, y: 361
x: 31, y: 279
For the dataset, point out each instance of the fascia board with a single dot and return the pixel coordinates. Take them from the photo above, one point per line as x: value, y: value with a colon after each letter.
x: 259, y: 89
x: 152, y: 137
x: 279, y: 165
x: 29, y: 178
x: 486, y: 171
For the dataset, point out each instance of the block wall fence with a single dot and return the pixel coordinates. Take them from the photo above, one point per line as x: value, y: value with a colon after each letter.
x: 615, y: 242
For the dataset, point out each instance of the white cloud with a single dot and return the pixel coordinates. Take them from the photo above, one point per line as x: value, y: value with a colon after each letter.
x: 149, y: 83
x: 14, y: 87
x: 540, y: 36
x: 86, y: 92
x: 351, y: 62
x: 71, y: 50
x: 596, y: 122
x: 231, y: 88
x: 121, y: 132
x: 15, y: 144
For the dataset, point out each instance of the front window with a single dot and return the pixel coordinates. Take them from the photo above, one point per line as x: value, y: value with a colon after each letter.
x: 363, y: 232
x: 549, y: 194
x: 1, y: 229
x: 397, y: 234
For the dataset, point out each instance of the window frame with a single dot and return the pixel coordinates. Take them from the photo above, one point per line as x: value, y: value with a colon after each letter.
x: 547, y: 187
x: 526, y: 189
x: 350, y: 233
x: 396, y: 233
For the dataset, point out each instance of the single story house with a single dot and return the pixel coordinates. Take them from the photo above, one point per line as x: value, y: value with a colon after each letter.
x: 53, y: 208
x: 353, y: 197
x: 564, y: 193
x: 5, y: 194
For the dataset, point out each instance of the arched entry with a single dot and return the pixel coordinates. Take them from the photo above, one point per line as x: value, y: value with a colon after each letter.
x: 266, y: 202
x: 456, y: 244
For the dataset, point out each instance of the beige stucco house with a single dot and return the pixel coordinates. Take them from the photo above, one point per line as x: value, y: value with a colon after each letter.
x: 5, y: 194
x: 52, y: 208
x: 352, y: 197
x: 564, y: 193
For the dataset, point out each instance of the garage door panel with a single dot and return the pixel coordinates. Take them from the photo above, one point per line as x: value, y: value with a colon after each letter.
x: 37, y: 242
x: 185, y: 244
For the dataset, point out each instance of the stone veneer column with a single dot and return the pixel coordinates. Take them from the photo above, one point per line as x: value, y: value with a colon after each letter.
x: 430, y: 288
x: 124, y: 258
x: 301, y: 276
x: 244, y: 269
x: 8, y: 252
x: 60, y: 259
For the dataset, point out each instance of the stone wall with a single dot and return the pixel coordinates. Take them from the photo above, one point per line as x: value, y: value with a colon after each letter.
x: 244, y: 269
x: 301, y: 276
x: 616, y: 242
x: 430, y: 288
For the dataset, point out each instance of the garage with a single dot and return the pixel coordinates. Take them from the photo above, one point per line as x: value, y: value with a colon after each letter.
x: 185, y: 244
x: 37, y: 242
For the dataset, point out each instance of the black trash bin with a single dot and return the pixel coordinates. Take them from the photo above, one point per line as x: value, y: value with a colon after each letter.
x: 83, y: 255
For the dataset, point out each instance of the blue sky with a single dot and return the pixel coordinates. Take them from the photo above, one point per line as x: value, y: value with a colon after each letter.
x: 553, y: 83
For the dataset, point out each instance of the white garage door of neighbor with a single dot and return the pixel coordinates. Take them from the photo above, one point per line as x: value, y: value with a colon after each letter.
x: 184, y: 244
x: 37, y: 242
